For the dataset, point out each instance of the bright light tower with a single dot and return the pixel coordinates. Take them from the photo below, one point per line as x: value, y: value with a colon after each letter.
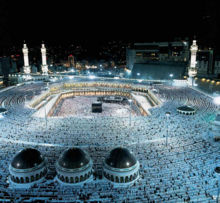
x: 130, y: 101
x: 138, y: 74
x: 167, y: 115
x: 217, y: 171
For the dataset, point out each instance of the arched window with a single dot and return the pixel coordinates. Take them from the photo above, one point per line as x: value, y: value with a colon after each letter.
x: 126, y: 179
x: 81, y: 178
x: 66, y: 179
x: 32, y: 178
x: 76, y: 179
x: 117, y: 179
x: 71, y: 180
x: 17, y: 180
x: 121, y: 179
x: 22, y: 180
x: 62, y: 178
x: 27, y: 179
x: 131, y: 178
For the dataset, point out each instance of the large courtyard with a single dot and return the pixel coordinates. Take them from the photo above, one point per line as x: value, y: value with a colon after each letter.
x: 81, y: 106
x: 181, y: 171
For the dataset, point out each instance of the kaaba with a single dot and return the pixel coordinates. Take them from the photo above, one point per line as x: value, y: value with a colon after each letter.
x: 97, y: 107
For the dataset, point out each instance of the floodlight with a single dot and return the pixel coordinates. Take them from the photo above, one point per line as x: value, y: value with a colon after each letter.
x: 91, y: 76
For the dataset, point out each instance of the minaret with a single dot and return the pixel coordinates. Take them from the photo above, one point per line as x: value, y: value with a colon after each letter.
x: 192, y: 70
x: 27, y: 68
x: 44, y: 66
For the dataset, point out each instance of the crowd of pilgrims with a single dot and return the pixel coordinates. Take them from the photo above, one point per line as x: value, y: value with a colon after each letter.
x: 181, y: 171
x: 81, y: 106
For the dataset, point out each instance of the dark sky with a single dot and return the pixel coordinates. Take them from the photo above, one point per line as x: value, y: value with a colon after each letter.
x: 61, y: 22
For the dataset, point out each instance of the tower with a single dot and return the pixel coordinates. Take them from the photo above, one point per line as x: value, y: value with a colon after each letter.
x: 71, y: 62
x: 44, y: 66
x: 192, y: 69
x: 27, y: 68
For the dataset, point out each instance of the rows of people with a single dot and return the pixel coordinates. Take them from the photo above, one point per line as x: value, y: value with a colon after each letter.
x: 183, y: 170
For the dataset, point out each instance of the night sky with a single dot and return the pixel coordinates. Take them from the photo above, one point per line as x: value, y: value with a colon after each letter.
x: 155, y: 21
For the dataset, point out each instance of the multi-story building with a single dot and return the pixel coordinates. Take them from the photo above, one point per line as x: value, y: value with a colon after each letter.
x: 158, y: 52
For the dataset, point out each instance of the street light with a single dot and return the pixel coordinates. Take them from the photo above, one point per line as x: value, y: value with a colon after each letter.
x: 217, y: 171
x: 167, y: 115
x: 130, y: 101
x: 171, y: 76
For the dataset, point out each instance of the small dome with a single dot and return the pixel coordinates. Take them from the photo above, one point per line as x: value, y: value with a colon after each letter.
x: 27, y: 158
x: 186, y: 108
x: 73, y: 158
x: 121, y: 158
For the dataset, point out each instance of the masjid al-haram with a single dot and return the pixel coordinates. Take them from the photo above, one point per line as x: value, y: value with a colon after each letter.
x: 97, y: 139
x: 131, y: 151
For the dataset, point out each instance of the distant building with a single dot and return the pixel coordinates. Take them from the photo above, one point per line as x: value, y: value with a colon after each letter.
x: 205, y: 62
x: 166, y: 56
x: 217, y: 68
x: 158, y: 52
x: 71, y: 62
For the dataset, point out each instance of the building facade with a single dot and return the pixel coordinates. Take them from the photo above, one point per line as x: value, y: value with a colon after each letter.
x: 158, y: 52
